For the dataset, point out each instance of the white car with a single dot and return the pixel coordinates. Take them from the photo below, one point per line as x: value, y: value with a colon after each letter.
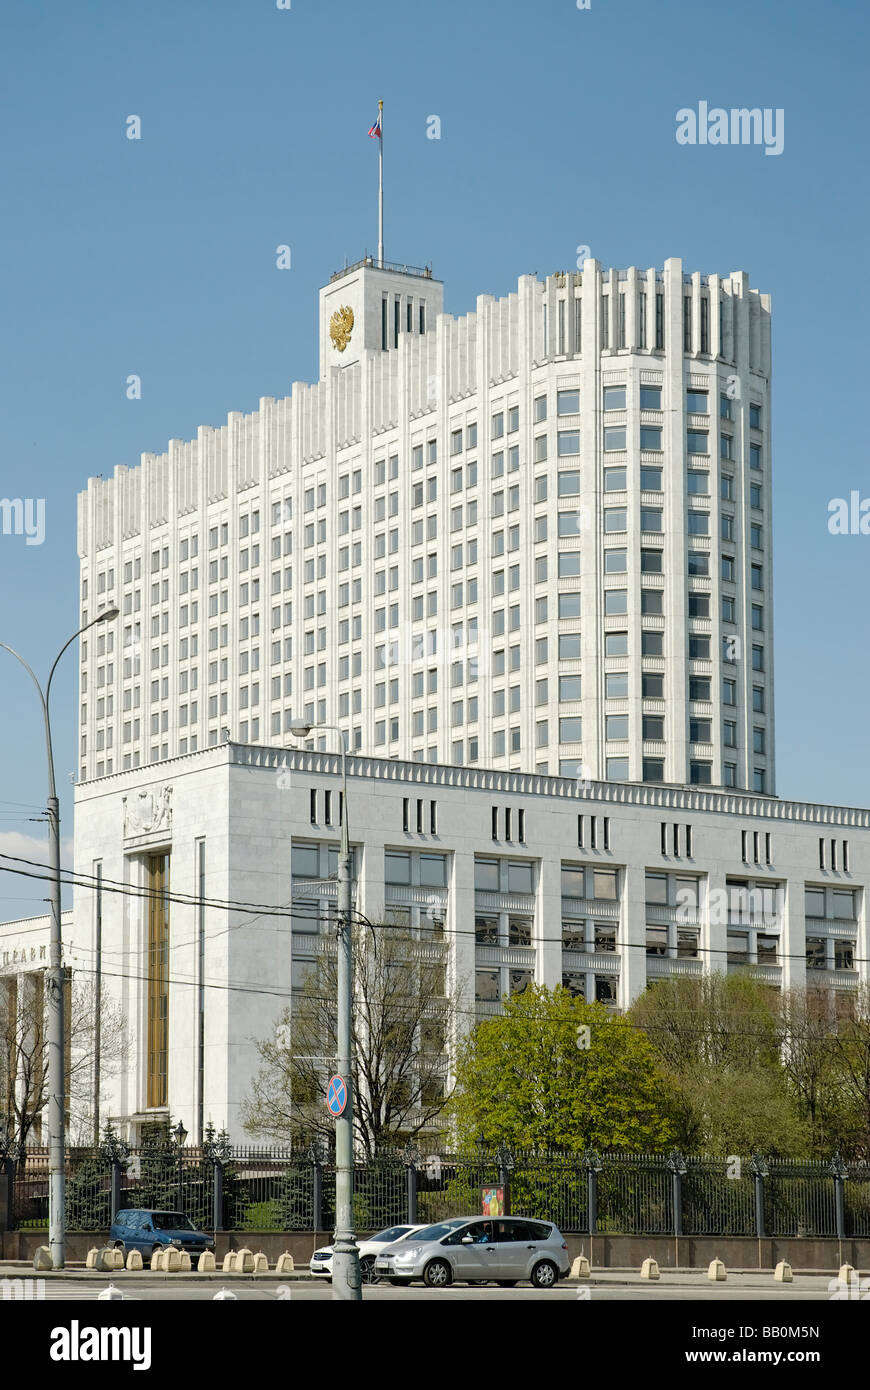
x: 321, y: 1260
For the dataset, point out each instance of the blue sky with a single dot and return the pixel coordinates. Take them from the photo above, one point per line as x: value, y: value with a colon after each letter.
x: 157, y: 257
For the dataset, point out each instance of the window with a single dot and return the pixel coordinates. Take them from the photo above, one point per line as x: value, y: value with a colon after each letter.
x: 617, y: 769
x: 569, y: 647
x: 697, y: 403
x: 540, y: 408
x: 699, y: 730
x: 652, y: 643
x: 615, y: 644
x: 697, y: 482
x: 653, y: 727
x: 568, y: 442
x: 651, y: 561
x: 615, y: 601
x: 650, y: 479
x: 615, y: 685
x: 567, y: 402
x: 614, y: 398
x: 614, y: 480
x: 697, y: 442
x: 569, y: 687
x: 614, y: 438
x: 614, y: 519
x: 698, y: 562
x: 651, y: 397
x: 615, y: 561
x: 651, y: 518
x: 616, y: 726
x: 700, y: 773
x: 699, y: 687
x: 651, y: 437
x: 570, y: 730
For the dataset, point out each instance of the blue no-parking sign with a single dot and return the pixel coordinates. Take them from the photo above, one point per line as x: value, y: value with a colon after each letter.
x: 336, y: 1095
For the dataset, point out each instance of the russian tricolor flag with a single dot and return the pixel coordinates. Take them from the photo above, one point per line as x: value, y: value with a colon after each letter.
x: 376, y: 133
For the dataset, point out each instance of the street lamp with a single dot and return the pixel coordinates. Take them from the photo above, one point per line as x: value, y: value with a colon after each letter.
x: 180, y: 1135
x: 346, y: 1282
x: 56, y: 1080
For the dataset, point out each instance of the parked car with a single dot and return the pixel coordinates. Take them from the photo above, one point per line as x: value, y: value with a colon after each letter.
x: 505, y: 1250
x: 321, y: 1260
x: 150, y: 1231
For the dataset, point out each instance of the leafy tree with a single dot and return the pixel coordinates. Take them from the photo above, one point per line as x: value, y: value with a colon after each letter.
x: 401, y: 1019
x: 88, y: 1193
x: 719, y: 1039
x: 521, y: 1079
x: 813, y: 1061
x: 852, y: 1063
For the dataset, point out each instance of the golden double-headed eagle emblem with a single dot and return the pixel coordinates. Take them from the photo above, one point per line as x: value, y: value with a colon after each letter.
x: 341, y: 326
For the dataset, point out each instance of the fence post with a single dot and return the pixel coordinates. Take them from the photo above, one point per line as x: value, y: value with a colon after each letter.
x: 759, y: 1169
x: 411, y: 1158
x: 315, y: 1156
x: 218, y: 1195
x: 592, y: 1167
x: 677, y: 1169
x: 114, y: 1151
x: 505, y: 1160
x: 839, y: 1172
x: 8, y: 1224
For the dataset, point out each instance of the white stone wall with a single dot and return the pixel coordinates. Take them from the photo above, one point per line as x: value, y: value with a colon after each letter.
x: 250, y: 805
x: 371, y: 406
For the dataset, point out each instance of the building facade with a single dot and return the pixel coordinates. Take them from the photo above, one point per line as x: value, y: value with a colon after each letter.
x: 213, y: 884
x: 533, y: 538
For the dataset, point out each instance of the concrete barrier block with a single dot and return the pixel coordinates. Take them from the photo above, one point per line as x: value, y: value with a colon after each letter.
x: 650, y: 1269
x: 206, y: 1263
x: 224, y: 1293
x: 185, y: 1266
x: 244, y: 1261
x: 172, y: 1260
x: 717, y: 1271
x: 285, y: 1264
x: 134, y: 1259
x: 229, y: 1264
x: 157, y: 1260
x: 847, y: 1273
x: 783, y: 1273
x: 580, y: 1268
x: 91, y: 1257
x: 261, y: 1263
x: 109, y: 1258
x: 111, y: 1294
x: 42, y: 1258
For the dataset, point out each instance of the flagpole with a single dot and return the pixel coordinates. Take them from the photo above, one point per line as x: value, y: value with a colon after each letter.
x: 381, y: 187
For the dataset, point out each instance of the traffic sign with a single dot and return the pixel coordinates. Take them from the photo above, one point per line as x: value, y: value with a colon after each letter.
x: 336, y: 1095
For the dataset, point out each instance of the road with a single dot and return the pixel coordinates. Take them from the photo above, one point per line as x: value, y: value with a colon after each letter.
x: 616, y: 1286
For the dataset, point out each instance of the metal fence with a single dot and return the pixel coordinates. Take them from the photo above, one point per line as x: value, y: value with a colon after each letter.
x: 245, y: 1188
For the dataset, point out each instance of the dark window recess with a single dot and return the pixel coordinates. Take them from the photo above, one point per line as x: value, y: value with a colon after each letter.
x: 406, y: 813
x: 327, y: 808
x: 312, y: 795
x: 821, y: 854
x: 676, y: 841
x: 834, y: 855
x: 507, y: 823
x: 521, y: 827
x: 579, y: 832
x: 341, y: 808
x: 688, y: 842
x: 845, y: 856
x: 433, y: 818
x: 384, y: 323
x: 419, y: 817
x: 744, y: 846
x: 495, y: 822
x: 767, y: 850
x: 607, y: 832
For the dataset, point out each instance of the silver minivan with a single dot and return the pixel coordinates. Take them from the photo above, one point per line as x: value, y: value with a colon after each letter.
x: 476, y: 1250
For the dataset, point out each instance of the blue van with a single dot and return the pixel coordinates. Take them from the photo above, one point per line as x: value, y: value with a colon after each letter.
x: 150, y: 1231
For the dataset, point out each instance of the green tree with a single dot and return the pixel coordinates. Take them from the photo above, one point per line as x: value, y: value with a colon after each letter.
x: 522, y: 1079
x: 719, y: 1040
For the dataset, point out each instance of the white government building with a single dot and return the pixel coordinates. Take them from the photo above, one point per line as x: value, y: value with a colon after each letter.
x: 523, y: 559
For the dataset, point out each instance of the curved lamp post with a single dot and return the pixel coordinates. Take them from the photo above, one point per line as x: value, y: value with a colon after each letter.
x: 56, y: 1080
x: 346, y: 1283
